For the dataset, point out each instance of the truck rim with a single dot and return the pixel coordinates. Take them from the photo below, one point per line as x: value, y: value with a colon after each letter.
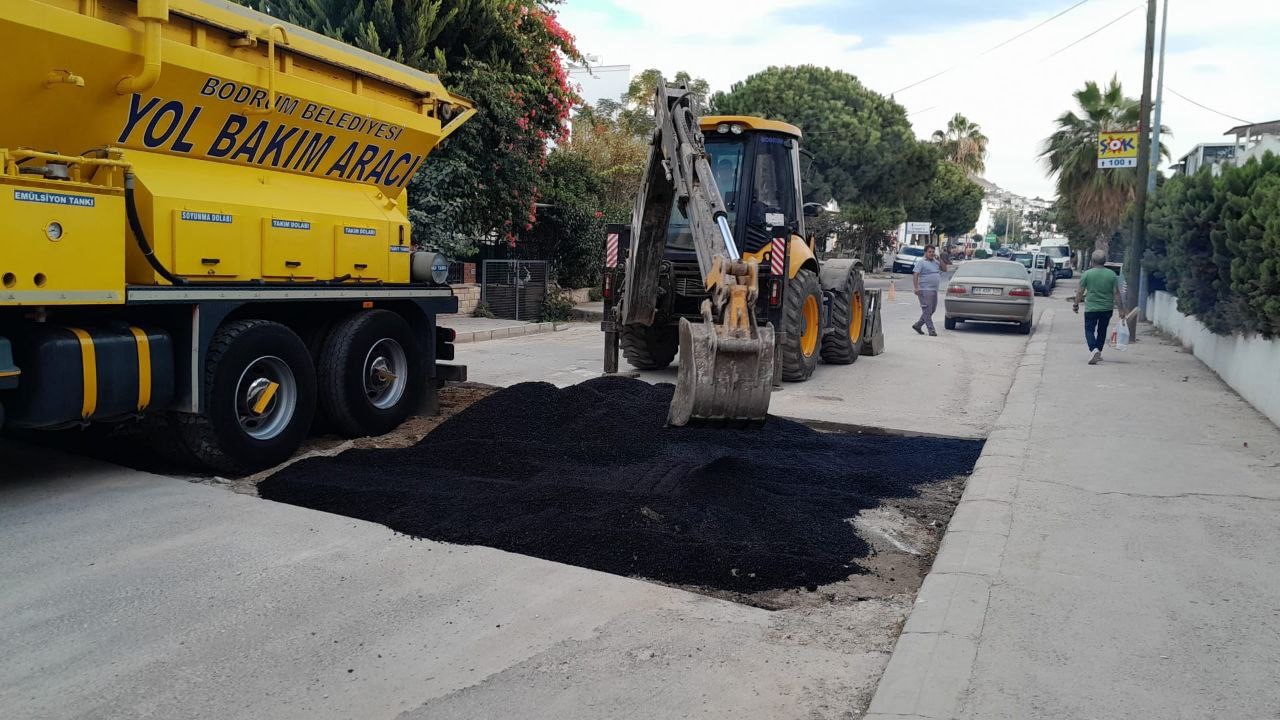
x: 385, y: 373
x: 266, y: 396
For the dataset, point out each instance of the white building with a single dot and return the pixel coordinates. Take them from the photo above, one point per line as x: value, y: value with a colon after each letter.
x: 1255, y: 140
x: 1252, y: 141
x: 1213, y: 155
x: 595, y: 81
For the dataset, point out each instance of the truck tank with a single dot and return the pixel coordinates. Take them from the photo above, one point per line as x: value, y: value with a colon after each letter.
x: 257, y: 151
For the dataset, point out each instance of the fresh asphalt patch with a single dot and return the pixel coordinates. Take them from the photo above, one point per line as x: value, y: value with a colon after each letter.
x: 588, y: 475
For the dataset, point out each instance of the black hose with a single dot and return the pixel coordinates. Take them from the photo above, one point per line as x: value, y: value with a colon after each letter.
x: 135, y: 225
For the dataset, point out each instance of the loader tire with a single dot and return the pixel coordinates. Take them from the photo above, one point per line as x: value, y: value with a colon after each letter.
x: 649, y: 347
x: 843, y: 343
x: 370, y: 374
x: 802, y: 321
x: 231, y: 438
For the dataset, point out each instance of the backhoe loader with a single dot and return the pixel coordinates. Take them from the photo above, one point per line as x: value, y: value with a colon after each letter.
x: 715, y: 268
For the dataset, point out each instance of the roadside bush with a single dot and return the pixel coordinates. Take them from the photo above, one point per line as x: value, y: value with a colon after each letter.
x: 1216, y: 242
x: 558, y: 306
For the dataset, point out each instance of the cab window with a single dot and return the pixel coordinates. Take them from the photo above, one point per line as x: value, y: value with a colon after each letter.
x: 773, y: 185
x: 725, y: 159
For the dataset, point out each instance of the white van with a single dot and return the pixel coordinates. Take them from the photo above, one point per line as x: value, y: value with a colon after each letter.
x: 1060, y: 253
x: 1039, y: 270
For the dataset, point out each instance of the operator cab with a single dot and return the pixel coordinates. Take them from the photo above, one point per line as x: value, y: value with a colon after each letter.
x: 756, y: 163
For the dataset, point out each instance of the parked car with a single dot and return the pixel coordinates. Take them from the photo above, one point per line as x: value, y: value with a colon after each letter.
x: 1039, y: 270
x: 905, y: 259
x: 1060, y: 254
x: 990, y: 291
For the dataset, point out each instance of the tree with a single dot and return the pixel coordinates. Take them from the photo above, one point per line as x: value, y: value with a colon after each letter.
x: 952, y: 202
x: 506, y: 55
x: 1096, y: 198
x: 569, y: 231
x: 963, y: 143
x: 636, y: 114
x: 865, y: 152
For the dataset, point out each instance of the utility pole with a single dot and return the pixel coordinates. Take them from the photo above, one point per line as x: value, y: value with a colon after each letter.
x: 1139, y: 245
x: 1155, y: 124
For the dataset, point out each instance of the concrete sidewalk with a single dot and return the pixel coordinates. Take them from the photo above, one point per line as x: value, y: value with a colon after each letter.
x: 1115, y: 554
x: 474, y: 329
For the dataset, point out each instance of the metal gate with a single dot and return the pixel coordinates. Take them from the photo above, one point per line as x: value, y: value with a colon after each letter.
x: 515, y: 289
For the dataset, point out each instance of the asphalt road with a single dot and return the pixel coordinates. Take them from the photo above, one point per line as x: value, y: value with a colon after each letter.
x: 130, y: 595
x: 953, y: 384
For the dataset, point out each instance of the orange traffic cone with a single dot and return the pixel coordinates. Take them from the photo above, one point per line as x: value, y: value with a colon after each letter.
x: 893, y: 291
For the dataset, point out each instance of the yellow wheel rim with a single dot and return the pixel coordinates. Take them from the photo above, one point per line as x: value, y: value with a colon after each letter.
x: 809, y: 338
x: 855, y: 317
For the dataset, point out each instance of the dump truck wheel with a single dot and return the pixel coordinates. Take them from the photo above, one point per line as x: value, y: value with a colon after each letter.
x: 370, y: 373
x: 843, y: 344
x: 260, y: 396
x: 801, y: 317
x: 649, y: 347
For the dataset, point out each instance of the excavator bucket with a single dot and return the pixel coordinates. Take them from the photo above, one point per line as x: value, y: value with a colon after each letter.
x: 722, y: 378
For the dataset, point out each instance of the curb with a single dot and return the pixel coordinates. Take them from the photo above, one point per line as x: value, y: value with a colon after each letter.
x: 928, y: 674
x: 506, y: 332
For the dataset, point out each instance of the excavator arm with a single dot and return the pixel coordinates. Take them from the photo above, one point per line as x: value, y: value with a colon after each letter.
x: 726, y: 361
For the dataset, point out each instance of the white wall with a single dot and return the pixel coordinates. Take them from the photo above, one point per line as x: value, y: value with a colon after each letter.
x: 1267, y: 143
x: 1250, y: 365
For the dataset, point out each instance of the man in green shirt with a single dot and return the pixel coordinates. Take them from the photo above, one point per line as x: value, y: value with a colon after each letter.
x: 1100, y: 291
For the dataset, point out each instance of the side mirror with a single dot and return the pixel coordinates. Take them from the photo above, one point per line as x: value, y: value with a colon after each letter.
x: 812, y: 209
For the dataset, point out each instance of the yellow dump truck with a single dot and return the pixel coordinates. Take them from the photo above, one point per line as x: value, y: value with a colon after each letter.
x: 203, y: 226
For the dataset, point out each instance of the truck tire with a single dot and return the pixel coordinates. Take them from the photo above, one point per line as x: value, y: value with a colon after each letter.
x: 843, y: 344
x: 649, y: 347
x: 802, y: 322
x: 247, y: 357
x: 371, y: 374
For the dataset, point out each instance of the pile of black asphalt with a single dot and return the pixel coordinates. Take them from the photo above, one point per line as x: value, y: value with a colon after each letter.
x: 589, y: 475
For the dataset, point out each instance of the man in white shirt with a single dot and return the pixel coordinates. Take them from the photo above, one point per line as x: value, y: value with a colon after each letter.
x: 927, y: 278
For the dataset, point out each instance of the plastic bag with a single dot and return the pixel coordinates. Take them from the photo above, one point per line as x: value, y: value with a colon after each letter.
x: 1120, y: 336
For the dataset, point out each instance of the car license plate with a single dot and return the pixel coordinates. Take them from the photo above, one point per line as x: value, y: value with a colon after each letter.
x: 987, y: 291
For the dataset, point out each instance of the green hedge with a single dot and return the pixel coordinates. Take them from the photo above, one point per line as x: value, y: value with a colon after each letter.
x: 1216, y: 243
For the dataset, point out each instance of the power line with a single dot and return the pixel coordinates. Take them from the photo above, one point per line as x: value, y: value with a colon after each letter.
x: 1095, y: 32
x: 991, y: 49
x: 1206, y: 107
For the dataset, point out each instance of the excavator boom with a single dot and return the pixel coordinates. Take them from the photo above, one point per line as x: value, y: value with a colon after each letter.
x: 726, y: 360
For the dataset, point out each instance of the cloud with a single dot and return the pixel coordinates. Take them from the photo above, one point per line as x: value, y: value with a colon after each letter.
x: 1216, y: 57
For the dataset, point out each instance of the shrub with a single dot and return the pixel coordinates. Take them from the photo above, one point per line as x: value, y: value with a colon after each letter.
x: 558, y: 306
x: 1216, y: 242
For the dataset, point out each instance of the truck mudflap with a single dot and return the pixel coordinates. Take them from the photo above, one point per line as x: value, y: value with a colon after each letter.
x: 9, y: 372
x: 872, y: 328
x: 446, y: 372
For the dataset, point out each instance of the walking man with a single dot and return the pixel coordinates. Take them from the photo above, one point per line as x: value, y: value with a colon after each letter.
x: 1100, y: 291
x: 927, y: 278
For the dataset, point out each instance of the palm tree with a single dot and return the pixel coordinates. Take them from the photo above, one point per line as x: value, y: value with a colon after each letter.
x: 1097, y: 198
x: 963, y: 143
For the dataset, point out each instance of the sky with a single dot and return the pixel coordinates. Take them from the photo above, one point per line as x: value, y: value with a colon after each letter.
x: 1220, y: 53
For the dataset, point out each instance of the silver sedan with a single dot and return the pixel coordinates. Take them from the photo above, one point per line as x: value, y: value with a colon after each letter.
x: 990, y: 291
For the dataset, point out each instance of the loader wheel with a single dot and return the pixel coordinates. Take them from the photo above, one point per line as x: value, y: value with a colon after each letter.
x: 370, y: 372
x: 260, y: 396
x: 649, y: 347
x: 801, y: 318
x: 843, y: 344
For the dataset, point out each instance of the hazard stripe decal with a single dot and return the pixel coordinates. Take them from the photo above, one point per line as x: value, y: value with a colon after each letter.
x: 611, y: 250
x: 778, y: 256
